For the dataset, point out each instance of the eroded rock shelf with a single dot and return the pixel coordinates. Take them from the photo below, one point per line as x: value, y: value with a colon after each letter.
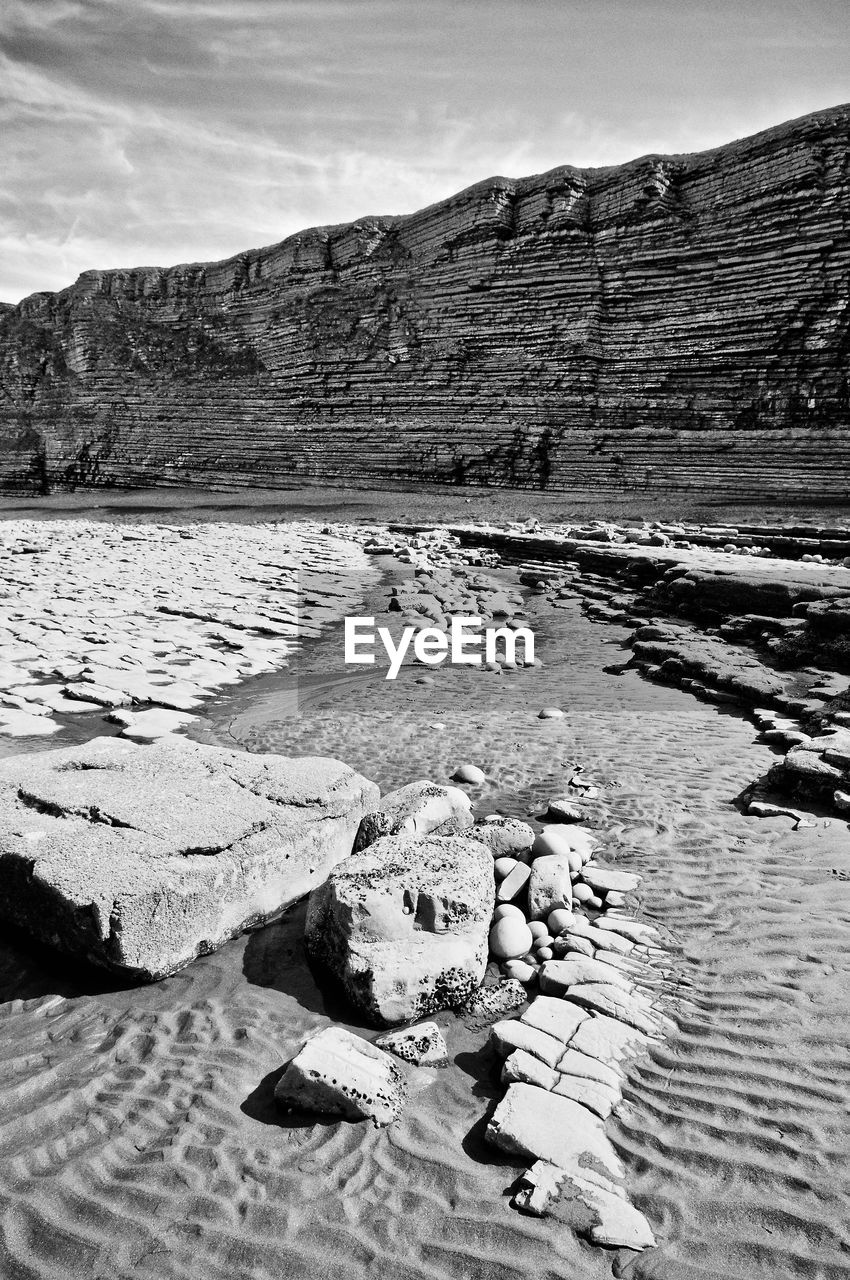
x: 674, y: 322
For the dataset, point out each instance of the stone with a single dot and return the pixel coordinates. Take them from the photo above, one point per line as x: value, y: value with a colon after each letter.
x: 506, y: 837
x: 557, y: 976
x: 507, y: 910
x: 608, y: 1040
x: 581, y: 894
x: 532, y: 1122
x: 471, y: 774
x: 550, y: 713
x: 147, y: 726
x: 514, y: 883
x: 629, y: 1007
x: 597, y: 1097
x: 494, y: 1001
x: 634, y: 930
x: 510, y: 938
x: 606, y: 939
x: 521, y: 1067
x: 422, y: 1045
x: 141, y: 858
x: 418, y: 809
x: 559, y: 919
x: 563, y: 810
x: 338, y: 1073
x: 513, y: 1033
x: 562, y: 839
x: 403, y: 925
x: 558, y: 1018
x: 595, y: 1207
x: 502, y: 867
x: 575, y: 1063
x: 550, y: 885
x: 602, y: 879
x: 521, y: 970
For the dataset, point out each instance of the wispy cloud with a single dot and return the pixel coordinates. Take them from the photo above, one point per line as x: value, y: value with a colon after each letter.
x: 157, y: 131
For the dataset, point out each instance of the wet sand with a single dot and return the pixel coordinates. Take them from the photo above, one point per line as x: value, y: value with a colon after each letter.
x: 138, y: 1136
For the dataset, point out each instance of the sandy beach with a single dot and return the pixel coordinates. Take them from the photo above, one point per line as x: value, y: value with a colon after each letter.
x: 139, y: 1135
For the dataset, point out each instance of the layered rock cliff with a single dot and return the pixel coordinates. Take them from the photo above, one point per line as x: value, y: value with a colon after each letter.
x: 679, y: 321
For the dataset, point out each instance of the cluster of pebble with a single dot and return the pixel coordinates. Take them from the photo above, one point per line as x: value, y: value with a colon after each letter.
x: 540, y: 880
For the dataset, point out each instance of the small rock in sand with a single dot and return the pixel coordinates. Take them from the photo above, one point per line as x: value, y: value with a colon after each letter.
x: 550, y: 713
x: 563, y: 810
x: 338, y: 1073
x: 510, y: 938
x: 422, y: 1045
x: 470, y: 774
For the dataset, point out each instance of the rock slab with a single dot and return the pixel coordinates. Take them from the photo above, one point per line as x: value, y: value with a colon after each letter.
x: 140, y: 858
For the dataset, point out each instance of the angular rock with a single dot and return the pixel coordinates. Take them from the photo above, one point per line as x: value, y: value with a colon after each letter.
x: 514, y: 883
x: 521, y: 1067
x: 532, y: 1122
x: 608, y: 1040
x: 418, y: 809
x: 602, y: 879
x: 557, y: 976
x: 575, y: 1063
x: 599, y: 1098
x: 403, y: 925
x: 513, y: 1033
x: 558, y: 1018
x: 422, y: 1045
x: 493, y: 1002
x: 626, y: 1006
x: 550, y: 885
x: 338, y: 1073
x: 141, y: 858
x: 594, y: 1207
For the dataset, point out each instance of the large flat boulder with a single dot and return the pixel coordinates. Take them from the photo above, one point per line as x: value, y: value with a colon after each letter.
x: 140, y: 858
x: 403, y: 925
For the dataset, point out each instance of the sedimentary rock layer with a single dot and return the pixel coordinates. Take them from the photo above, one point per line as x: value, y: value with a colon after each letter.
x: 671, y: 322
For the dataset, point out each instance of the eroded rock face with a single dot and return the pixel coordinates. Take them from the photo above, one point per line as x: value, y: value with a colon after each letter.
x: 141, y: 858
x: 403, y: 925
x: 642, y: 324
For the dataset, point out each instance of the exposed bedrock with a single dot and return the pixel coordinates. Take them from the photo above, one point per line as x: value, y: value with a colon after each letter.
x: 141, y: 858
x: 672, y: 322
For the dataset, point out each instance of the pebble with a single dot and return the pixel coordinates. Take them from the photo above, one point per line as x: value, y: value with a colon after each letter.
x: 520, y: 971
x: 545, y: 953
x: 504, y: 866
x: 507, y: 911
x: 471, y: 774
x: 550, y: 713
x: 582, y: 893
x: 558, y: 920
x: 510, y: 938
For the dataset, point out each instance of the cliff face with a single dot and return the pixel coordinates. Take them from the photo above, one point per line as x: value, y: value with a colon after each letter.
x: 673, y: 322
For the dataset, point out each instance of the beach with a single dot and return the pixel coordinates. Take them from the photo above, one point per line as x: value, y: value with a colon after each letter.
x: 139, y: 1135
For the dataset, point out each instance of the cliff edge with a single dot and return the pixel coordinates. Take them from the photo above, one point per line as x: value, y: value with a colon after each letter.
x: 675, y: 322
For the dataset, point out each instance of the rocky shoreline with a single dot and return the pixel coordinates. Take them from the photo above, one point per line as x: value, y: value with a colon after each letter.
x: 541, y: 946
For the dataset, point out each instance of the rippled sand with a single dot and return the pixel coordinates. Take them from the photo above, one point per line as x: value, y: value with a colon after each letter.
x: 138, y: 1136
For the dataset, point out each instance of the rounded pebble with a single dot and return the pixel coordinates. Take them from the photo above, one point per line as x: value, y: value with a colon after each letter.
x: 545, y: 953
x: 538, y: 928
x: 507, y: 911
x: 582, y: 892
x: 594, y: 901
x: 524, y: 973
x: 470, y: 773
x: 503, y: 867
x: 558, y: 920
x: 510, y: 938
x: 550, y: 713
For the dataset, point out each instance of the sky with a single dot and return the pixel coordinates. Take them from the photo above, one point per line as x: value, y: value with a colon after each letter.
x: 152, y: 132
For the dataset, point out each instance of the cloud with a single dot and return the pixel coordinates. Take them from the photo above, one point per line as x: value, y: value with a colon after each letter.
x: 156, y: 131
